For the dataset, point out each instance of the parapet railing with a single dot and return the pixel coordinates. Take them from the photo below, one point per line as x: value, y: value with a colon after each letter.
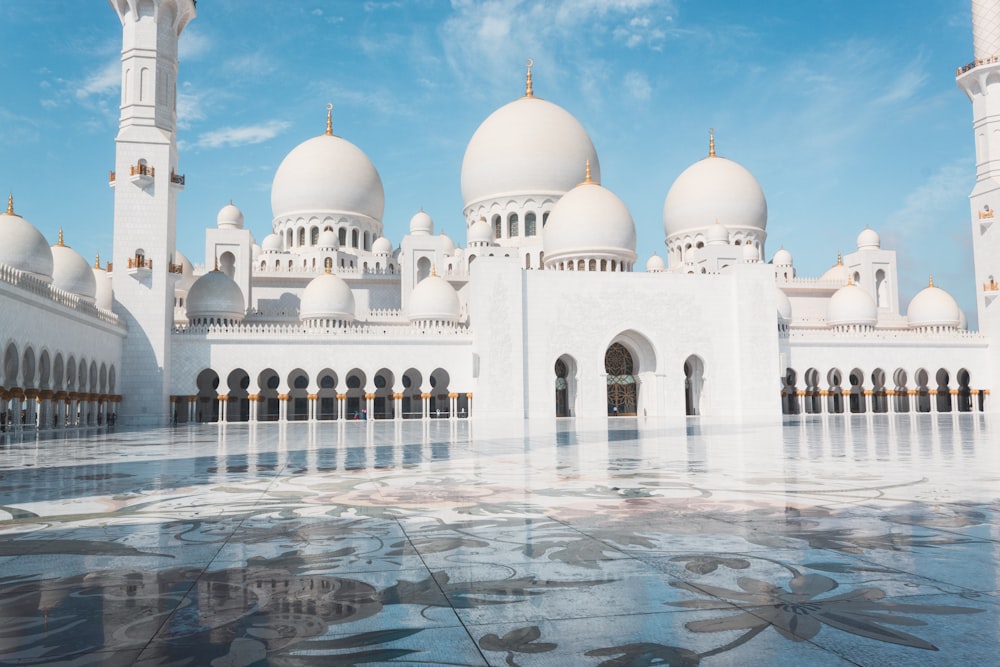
x: 34, y: 285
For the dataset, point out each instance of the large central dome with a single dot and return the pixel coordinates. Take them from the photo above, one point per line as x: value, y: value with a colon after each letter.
x: 327, y: 174
x: 529, y: 146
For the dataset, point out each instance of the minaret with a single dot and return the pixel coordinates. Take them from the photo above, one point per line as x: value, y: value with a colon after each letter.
x: 980, y: 80
x: 146, y: 183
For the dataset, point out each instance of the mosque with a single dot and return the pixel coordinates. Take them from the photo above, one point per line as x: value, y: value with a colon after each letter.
x: 542, y: 313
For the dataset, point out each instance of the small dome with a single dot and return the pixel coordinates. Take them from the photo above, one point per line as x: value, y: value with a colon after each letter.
x: 589, y: 220
x: 104, y: 296
x: 934, y: 307
x: 750, y: 253
x: 421, y: 224
x: 215, y: 295
x: 255, y: 251
x: 72, y: 273
x: 272, y: 243
x: 328, y: 239
x: 186, y: 267
x: 655, y: 264
x: 529, y: 146
x: 22, y: 246
x: 230, y: 217
x: 382, y: 246
x: 851, y: 305
x: 327, y: 296
x: 714, y: 189
x: 836, y: 273
x: 784, y: 306
x: 434, y: 299
x: 782, y: 257
x: 327, y: 174
x: 480, y: 233
x: 717, y: 234
x: 869, y: 239
x: 447, y: 245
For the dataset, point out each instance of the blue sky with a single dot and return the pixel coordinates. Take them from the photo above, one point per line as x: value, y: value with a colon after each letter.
x: 846, y: 111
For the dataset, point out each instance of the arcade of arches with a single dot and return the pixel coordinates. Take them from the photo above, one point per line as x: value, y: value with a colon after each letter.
x: 860, y: 393
x: 55, y: 391
x: 322, y: 396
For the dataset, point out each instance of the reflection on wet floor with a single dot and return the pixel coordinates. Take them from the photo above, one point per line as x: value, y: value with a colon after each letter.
x: 830, y: 540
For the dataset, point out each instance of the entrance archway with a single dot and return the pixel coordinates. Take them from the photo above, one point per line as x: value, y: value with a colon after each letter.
x: 694, y: 382
x: 565, y: 370
x: 623, y: 391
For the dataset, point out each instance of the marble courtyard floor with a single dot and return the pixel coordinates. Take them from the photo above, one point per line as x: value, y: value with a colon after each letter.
x: 840, y: 540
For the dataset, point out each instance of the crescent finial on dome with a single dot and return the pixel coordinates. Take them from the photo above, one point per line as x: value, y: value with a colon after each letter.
x: 329, y: 122
x: 528, y: 90
x: 10, y: 204
x: 60, y: 244
x: 711, y: 142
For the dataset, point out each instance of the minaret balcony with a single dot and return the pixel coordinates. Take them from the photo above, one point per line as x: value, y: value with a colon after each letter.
x: 141, y: 174
x: 139, y: 267
x: 176, y: 180
x: 111, y: 178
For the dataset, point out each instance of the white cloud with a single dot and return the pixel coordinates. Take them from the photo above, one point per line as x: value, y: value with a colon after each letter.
x: 241, y: 136
x: 193, y: 44
x: 637, y: 85
x: 105, y: 81
x: 189, y: 109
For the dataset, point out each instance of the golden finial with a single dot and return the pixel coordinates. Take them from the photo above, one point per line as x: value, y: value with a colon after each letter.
x: 840, y: 260
x: 528, y: 90
x: 329, y: 119
x: 216, y: 263
x: 711, y: 142
x: 434, y: 271
x: 10, y: 204
x: 850, y: 280
x: 586, y: 178
x: 60, y: 244
x: 97, y: 261
x: 930, y: 281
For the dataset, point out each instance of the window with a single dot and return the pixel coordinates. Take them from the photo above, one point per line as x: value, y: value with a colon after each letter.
x: 497, y: 228
x: 529, y: 225
x: 314, y: 236
x: 512, y: 228
x: 302, y: 236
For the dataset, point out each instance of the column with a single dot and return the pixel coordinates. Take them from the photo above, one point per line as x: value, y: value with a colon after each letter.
x: 173, y: 409
x: 312, y: 398
x: 452, y: 405
x: 30, y: 407
x: 223, y: 407
x: 4, y: 400
x: 253, y: 408
x: 397, y: 407
x: 425, y: 405
x: 934, y: 405
x: 341, y: 406
x: 192, y: 404
x: 370, y: 406
x: 59, y: 421
x: 282, y: 407
x: 469, y: 398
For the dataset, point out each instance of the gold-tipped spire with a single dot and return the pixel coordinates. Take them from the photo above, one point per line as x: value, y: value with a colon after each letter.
x: 97, y: 261
x: 850, y: 280
x: 711, y: 142
x: 528, y: 90
x: 930, y: 281
x: 586, y: 178
x: 434, y: 270
x: 60, y: 244
x: 10, y: 204
x: 329, y: 120
x: 216, y: 263
x: 840, y: 260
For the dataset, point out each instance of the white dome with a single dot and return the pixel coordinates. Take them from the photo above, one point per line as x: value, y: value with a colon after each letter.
x: 71, y: 273
x: 589, y: 220
x: 655, y: 264
x: 22, y: 246
x: 933, y: 307
x: 434, y: 299
x: 529, y: 146
x: 104, y: 297
x: 215, y: 295
x: 327, y: 296
x: 480, y: 232
x: 750, y: 253
x: 421, y: 224
x: 327, y: 174
x: 784, y: 306
x: 836, y: 273
x: 230, y: 217
x: 272, y: 243
x: 869, y: 239
x: 327, y: 239
x: 255, y: 251
x: 447, y: 245
x: 186, y: 268
x: 851, y: 305
x: 782, y: 257
x: 382, y: 246
x: 714, y: 189
x: 717, y: 234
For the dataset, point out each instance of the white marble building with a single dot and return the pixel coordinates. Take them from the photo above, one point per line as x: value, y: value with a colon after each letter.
x: 540, y: 314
